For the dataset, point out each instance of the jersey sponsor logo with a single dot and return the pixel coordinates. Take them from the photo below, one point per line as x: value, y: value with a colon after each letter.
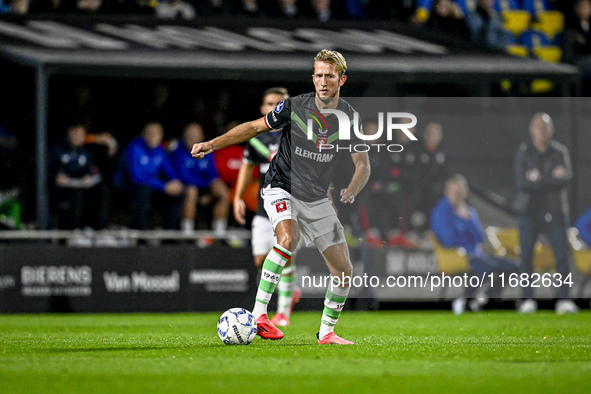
x: 279, y: 107
x: 320, y: 157
x: 281, y: 206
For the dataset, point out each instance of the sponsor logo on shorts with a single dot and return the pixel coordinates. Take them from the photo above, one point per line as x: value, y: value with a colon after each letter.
x: 281, y: 206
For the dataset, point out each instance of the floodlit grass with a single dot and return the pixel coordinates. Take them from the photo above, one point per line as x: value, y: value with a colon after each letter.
x: 394, y: 352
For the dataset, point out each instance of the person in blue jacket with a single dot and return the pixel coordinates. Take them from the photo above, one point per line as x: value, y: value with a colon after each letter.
x: 146, y: 170
x: 456, y: 224
x: 583, y: 224
x: 202, y: 181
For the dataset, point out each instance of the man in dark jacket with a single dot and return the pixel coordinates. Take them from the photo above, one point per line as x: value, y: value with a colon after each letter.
x: 542, y: 173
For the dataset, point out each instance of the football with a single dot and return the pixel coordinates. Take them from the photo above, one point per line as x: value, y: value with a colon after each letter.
x: 237, y: 326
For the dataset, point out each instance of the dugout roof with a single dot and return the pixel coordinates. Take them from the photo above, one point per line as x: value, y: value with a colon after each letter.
x: 240, y: 48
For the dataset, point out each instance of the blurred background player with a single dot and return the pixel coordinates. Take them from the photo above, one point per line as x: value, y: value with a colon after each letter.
x: 392, y: 185
x: 259, y: 152
x: 201, y: 180
x: 146, y: 171
x: 428, y: 175
x: 542, y: 174
x: 456, y: 224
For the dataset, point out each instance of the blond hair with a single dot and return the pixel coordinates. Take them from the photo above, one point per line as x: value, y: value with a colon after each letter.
x: 332, y: 57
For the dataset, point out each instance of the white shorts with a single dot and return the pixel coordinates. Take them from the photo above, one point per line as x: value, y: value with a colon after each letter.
x: 263, y: 237
x: 317, y: 220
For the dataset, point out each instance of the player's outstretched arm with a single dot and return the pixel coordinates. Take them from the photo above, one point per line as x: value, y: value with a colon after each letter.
x: 236, y: 135
x: 360, y: 177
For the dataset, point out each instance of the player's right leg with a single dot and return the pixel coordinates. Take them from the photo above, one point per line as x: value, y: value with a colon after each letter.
x: 278, y: 207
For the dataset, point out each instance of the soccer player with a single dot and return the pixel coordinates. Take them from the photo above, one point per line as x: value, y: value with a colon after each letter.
x: 259, y: 152
x: 296, y: 185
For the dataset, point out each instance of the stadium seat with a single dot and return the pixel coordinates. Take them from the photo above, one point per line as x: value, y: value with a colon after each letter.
x: 516, y: 21
x: 517, y: 50
x: 452, y: 261
x: 551, y: 54
x: 550, y: 22
x: 422, y: 15
x: 548, y: 53
x: 505, y: 243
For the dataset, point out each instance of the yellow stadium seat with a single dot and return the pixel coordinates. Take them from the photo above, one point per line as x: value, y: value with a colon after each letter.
x: 551, y: 54
x: 540, y: 86
x: 550, y: 22
x: 517, y: 50
x: 548, y: 53
x: 451, y: 261
x: 505, y: 243
x: 422, y: 14
x: 516, y: 21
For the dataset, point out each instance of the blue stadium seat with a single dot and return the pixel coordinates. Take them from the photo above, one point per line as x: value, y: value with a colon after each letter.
x: 427, y: 4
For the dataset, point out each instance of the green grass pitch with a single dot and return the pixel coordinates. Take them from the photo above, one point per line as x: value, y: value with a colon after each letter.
x: 417, y: 352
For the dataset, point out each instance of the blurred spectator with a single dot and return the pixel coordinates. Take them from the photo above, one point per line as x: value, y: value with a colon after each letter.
x: 486, y: 25
x: 175, y: 9
x: 583, y: 224
x: 448, y: 17
x: 201, y: 179
x: 88, y: 6
x: 577, y: 38
x: 428, y: 176
x: 389, y: 189
x: 146, y: 172
x: 322, y: 8
x: 228, y: 162
x: 75, y: 181
x: 288, y: 7
x: 137, y: 7
x: 251, y: 7
x: 542, y: 174
x: 18, y: 7
x: 456, y: 225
